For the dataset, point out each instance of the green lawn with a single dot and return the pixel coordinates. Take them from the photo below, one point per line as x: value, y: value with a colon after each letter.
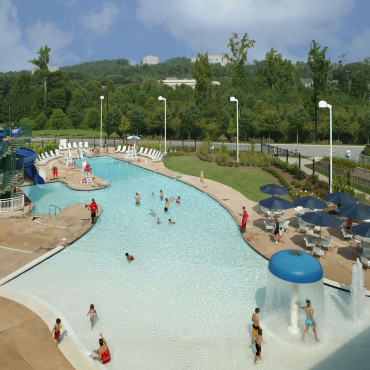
x: 71, y: 133
x: 246, y: 181
x: 356, y: 186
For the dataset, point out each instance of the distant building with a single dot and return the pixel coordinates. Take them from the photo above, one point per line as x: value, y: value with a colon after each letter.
x: 214, y: 59
x: 173, y: 82
x: 307, y: 82
x: 149, y: 59
x: 50, y: 68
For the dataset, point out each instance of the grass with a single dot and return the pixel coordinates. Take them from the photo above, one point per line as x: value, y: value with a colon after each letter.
x: 71, y: 133
x: 356, y: 186
x: 246, y: 181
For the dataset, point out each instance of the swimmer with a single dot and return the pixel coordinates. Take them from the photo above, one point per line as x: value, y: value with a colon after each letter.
x: 258, y: 345
x: 152, y: 213
x: 129, y: 257
x: 158, y: 221
x: 103, y: 351
x: 171, y: 222
x: 178, y: 200
x: 168, y: 201
x: 137, y: 198
x: 161, y: 194
x: 92, y: 312
x: 255, y: 324
x: 152, y: 194
x: 310, y: 321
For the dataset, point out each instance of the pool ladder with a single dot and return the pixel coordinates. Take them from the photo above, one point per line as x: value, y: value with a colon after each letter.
x: 55, y: 209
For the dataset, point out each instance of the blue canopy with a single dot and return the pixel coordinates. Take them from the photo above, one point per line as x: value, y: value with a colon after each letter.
x: 276, y: 203
x: 362, y: 230
x: 310, y: 202
x: 321, y: 218
x: 340, y: 198
x: 274, y: 189
x: 355, y: 211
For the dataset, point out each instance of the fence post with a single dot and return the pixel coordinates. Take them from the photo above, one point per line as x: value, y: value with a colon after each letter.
x: 195, y: 143
x: 261, y: 147
x: 299, y: 160
x: 55, y: 140
x: 287, y: 155
x: 105, y: 141
x: 222, y: 143
x: 313, y: 166
x: 42, y: 143
x: 182, y: 145
x: 94, y: 141
x: 68, y: 140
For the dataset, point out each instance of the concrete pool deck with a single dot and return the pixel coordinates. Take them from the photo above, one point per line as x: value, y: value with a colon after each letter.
x: 15, y: 334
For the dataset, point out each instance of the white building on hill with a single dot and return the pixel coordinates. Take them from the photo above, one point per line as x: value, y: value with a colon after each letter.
x: 214, y: 59
x: 173, y: 82
x: 149, y: 59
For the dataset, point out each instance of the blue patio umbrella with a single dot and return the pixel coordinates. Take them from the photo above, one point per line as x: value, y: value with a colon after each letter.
x: 340, y: 198
x: 310, y: 202
x: 362, y: 230
x: 276, y: 203
x: 133, y: 137
x: 274, y: 189
x: 355, y: 211
x: 321, y: 219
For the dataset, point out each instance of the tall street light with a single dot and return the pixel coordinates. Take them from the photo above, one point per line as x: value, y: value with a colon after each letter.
x: 324, y: 104
x: 165, y: 122
x: 237, y: 127
x: 101, y: 120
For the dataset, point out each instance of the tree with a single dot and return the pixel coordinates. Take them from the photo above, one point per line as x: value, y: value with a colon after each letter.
x: 124, y: 126
x: 269, y: 123
x: 239, y: 52
x: 75, y: 117
x: 114, y: 116
x: 92, y: 118
x: 41, y: 120
x: 58, y: 119
x: 202, y: 73
x: 42, y: 62
x: 320, y: 68
x: 278, y: 71
x: 359, y: 85
x: 298, y: 118
x: 364, y: 122
x: 340, y: 123
x: 189, y: 116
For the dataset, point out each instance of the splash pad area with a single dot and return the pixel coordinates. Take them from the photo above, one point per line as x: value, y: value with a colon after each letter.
x: 187, y: 300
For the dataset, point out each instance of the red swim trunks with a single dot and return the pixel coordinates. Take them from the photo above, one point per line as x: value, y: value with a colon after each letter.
x: 105, y: 357
x: 56, y: 335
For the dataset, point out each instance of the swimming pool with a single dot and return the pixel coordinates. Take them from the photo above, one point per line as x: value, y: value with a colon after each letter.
x: 187, y: 299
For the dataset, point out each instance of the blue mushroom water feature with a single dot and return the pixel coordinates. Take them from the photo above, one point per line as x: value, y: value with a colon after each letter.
x: 293, y: 276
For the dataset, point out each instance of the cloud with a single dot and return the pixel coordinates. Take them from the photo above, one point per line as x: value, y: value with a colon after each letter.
x: 359, y: 48
x: 18, y: 46
x: 100, y: 20
x: 286, y: 25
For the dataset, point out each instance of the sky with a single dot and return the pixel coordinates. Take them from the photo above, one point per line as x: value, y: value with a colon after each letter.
x: 87, y: 30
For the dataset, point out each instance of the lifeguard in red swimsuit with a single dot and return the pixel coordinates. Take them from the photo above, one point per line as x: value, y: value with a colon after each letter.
x: 244, y: 220
x: 103, y: 351
x: 87, y: 168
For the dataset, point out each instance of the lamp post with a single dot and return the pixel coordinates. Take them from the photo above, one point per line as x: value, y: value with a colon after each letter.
x: 324, y: 104
x: 237, y: 127
x: 165, y: 122
x: 101, y: 120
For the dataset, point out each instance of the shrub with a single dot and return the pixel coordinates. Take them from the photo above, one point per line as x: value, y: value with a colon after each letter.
x: 366, y: 150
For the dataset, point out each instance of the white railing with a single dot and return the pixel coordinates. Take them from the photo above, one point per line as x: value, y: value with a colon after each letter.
x: 15, y: 203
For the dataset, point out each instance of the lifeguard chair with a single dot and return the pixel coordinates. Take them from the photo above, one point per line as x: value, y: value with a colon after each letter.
x: 85, y: 173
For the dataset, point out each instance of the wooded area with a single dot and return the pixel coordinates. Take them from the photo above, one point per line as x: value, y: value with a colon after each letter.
x: 274, y: 103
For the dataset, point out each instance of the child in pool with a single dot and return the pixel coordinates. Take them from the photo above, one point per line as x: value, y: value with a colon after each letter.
x: 92, y: 312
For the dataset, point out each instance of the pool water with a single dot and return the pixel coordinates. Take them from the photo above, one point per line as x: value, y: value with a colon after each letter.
x: 187, y: 299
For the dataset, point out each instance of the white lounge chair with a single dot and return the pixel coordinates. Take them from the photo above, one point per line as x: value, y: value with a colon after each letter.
x: 74, y: 145
x: 154, y: 154
x: 317, y: 251
x: 140, y: 152
x: 346, y: 235
x: 365, y: 262
x: 158, y: 158
x: 69, y: 146
x: 145, y: 152
x: 52, y: 155
x: 123, y: 150
x: 86, y: 145
x: 118, y: 149
x: 284, y: 224
x: 308, y: 243
x: 149, y: 153
x: 269, y: 225
x: 58, y: 153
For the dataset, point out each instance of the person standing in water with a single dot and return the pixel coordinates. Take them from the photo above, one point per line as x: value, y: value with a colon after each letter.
x: 258, y: 345
x: 168, y: 201
x: 161, y: 195
x: 255, y: 324
x: 92, y: 312
x: 137, y: 198
x: 310, y: 321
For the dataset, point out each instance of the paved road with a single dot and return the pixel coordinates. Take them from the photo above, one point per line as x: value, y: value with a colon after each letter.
x: 311, y: 150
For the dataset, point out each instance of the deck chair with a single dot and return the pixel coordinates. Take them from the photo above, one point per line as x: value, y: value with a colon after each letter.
x: 145, y: 152
x: 317, y: 251
x: 329, y: 240
x: 346, y: 235
x: 58, y: 153
x: 118, y: 149
x: 74, y: 145
x: 158, y: 158
x: 81, y: 145
x: 149, y: 153
x: 69, y: 146
x: 123, y: 150
x: 365, y: 262
x: 52, y: 155
x: 308, y: 243
x: 47, y: 155
x: 140, y: 152
x: 284, y: 224
x: 269, y: 225
x: 153, y: 155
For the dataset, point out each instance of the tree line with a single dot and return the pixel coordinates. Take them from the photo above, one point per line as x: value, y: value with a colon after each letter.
x: 274, y: 103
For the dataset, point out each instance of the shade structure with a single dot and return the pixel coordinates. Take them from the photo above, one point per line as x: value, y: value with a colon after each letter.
x: 355, y: 211
x: 310, y: 202
x: 340, y: 198
x: 276, y: 203
x: 321, y: 218
x: 274, y: 189
x: 295, y: 266
x: 362, y: 230
x: 133, y: 137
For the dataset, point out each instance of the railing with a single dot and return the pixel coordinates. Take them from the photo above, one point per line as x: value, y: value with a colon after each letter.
x: 11, y: 179
x: 15, y: 203
x: 21, y: 131
x: 55, y: 209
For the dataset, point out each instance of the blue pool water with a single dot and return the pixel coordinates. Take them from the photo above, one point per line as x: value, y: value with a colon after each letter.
x: 187, y: 299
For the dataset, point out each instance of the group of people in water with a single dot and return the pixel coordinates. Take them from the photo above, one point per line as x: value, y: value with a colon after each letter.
x: 257, y: 330
x: 102, y: 353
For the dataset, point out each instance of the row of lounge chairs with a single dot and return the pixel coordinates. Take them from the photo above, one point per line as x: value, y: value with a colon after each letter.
x: 81, y: 145
x: 154, y: 155
x: 46, y: 157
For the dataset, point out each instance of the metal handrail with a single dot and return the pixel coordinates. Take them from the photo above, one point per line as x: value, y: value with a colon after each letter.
x: 15, y: 203
x: 55, y: 209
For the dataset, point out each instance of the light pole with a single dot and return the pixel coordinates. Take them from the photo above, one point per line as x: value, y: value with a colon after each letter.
x: 324, y: 104
x: 237, y: 127
x: 101, y: 121
x: 165, y: 122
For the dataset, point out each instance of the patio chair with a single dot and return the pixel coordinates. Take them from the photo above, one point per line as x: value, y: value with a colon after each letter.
x: 118, y: 149
x: 74, y: 145
x: 123, y: 150
x: 266, y: 211
x: 69, y: 146
x: 308, y: 243
x: 346, y: 235
x: 317, y: 251
x: 154, y: 154
x: 269, y: 225
x: 284, y: 224
x: 58, y: 153
x: 86, y: 145
x: 140, y: 152
x: 158, y: 158
x: 302, y: 227
x: 329, y: 240
x: 365, y: 262
x: 80, y: 144
x: 149, y: 153
x: 145, y: 151
x: 52, y: 155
